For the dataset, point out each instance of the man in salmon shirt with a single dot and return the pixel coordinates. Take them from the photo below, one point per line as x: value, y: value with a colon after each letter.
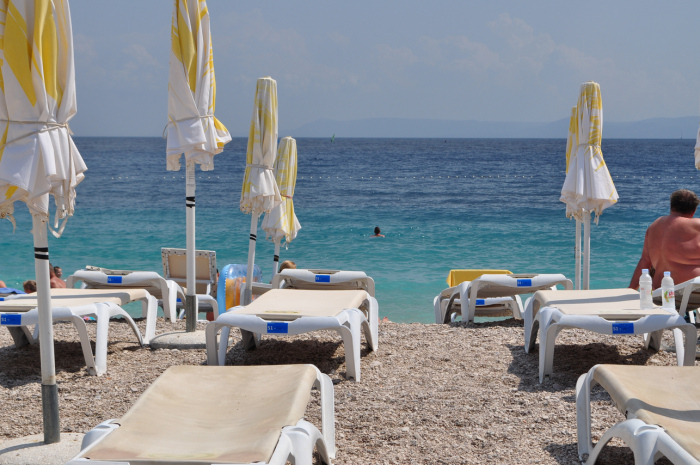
x: 672, y: 243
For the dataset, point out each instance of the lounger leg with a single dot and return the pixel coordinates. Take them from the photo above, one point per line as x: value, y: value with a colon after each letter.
x: 251, y: 340
x: 653, y: 340
x: 691, y: 337
x: 372, y: 335
x: 223, y: 344
x: 212, y: 348
x: 101, y: 339
x: 583, y: 412
x: 85, y: 344
x: 20, y: 335
x: 325, y: 385
x: 518, y: 308
x: 531, y: 326
x: 170, y: 300
x: 548, y: 335
x: 151, y: 317
x: 350, y: 333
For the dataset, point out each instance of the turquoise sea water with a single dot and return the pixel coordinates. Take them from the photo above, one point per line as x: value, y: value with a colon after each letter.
x: 443, y: 204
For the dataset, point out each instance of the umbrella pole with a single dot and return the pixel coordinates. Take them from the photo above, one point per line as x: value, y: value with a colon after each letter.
x: 49, y: 389
x: 577, y: 253
x: 276, y: 257
x: 586, y: 249
x: 248, y: 295
x: 191, y: 297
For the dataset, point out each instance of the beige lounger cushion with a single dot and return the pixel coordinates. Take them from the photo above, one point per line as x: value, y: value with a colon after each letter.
x: 658, y: 395
x: 612, y: 304
x: 290, y: 304
x: 487, y: 289
x: 74, y: 298
x: 210, y: 414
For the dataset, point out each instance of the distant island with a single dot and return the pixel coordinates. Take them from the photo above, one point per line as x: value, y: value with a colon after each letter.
x: 654, y: 128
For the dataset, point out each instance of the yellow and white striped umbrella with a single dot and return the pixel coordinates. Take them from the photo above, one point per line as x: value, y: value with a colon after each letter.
x: 192, y: 127
x: 260, y: 193
x: 588, y: 186
x: 697, y: 150
x: 281, y: 222
x: 37, y: 99
x: 571, y: 144
x: 38, y: 158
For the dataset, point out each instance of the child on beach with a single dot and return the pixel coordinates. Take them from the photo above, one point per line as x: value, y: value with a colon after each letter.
x: 29, y: 286
x: 288, y: 265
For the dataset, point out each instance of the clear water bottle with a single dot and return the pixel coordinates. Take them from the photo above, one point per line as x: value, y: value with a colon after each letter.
x: 645, y: 301
x: 668, y: 297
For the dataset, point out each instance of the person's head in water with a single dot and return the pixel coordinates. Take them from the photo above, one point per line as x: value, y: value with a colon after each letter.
x: 377, y: 232
x: 684, y: 201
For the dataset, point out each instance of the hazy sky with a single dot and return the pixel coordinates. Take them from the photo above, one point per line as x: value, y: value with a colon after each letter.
x: 493, y: 61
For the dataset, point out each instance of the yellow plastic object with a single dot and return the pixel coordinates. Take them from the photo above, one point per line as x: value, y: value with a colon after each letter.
x: 459, y: 276
x: 233, y: 291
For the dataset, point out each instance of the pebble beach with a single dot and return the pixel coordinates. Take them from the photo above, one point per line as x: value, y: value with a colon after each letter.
x: 459, y: 393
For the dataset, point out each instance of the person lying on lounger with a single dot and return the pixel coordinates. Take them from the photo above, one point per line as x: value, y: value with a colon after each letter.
x: 672, y: 243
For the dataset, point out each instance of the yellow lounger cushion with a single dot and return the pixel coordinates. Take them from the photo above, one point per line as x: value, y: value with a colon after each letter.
x: 198, y: 414
x: 658, y: 395
x: 456, y: 277
x: 612, y: 304
x: 290, y: 304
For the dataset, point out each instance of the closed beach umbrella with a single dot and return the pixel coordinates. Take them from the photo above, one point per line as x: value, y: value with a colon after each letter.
x: 260, y: 193
x: 588, y: 187
x: 192, y: 129
x: 37, y: 156
x: 571, y: 145
x: 281, y: 222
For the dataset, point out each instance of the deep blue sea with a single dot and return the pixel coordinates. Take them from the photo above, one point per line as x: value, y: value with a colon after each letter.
x: 442, y: 204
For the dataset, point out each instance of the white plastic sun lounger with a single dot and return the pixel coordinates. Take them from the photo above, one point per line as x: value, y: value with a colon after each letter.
x: 94, y: 277
x: 504, y: 288
x: 687, y: 297
x: 72, y: 305
x: 297, y: 311
x: 604, y: 311
x: 662, y: 413
x: 242, y: 415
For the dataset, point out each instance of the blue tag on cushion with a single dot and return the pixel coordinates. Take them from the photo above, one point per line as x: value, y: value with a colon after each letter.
x: 11, y: 320
x: 277, y: 328
x: 114, y: 279
x: 524, y: 282
x: 323, y: 278
x: 480, y: 301
x: 623, y: 328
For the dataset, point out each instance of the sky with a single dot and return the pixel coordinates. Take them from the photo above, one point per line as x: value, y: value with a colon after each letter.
x: 509, y: 60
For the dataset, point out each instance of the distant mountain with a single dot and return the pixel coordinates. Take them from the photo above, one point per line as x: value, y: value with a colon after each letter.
x: 655, y: 128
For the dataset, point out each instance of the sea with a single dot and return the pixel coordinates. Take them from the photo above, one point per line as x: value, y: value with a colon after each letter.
x: 441, y: 203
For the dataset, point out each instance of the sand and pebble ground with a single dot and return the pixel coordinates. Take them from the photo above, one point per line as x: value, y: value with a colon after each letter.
x: 431, y: 394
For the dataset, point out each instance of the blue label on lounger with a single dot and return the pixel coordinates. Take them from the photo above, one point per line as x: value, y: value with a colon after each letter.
x: 114, y: 279
x: 323, y: 278
x: 10, y: 319
x: 524, y: 282
x: 277, y: 328
x: 1, y: 299
x: 623, y: 328
x: 480, y: 301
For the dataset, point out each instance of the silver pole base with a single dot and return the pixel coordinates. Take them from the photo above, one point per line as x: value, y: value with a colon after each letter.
x: 49, y: 405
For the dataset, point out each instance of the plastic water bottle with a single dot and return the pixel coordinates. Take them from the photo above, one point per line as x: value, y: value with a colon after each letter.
x: 645, y: 301
x: 668, y: 297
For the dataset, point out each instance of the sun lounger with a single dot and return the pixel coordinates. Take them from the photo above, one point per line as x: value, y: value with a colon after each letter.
x: 493, y: 291
x: 661, y: 410
x: 73, y: 305
x: 175, y: 269
x: 687, y: 298
x: 241, y: 415
x: 167, y: 291
x: 297, y: 311
x: 604, y: 311
x: 323, y: 279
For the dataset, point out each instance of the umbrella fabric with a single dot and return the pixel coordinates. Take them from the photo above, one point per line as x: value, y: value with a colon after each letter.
x: 260, y: 193
x: 697, y: 151
x: 192, y: 128
x: 571, y: 144
x: 588, y: 186
x: 37, y: 99
x: 281, y: 222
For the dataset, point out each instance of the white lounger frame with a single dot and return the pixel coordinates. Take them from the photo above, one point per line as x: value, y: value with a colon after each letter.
x: 685, y: 291
x: 170, y: 290
x: 18, y: 324
x: 349, y: 323
x: 550, y: 321
x: 470, y: 289
x: 296, y: 443
x: 648, y: 442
